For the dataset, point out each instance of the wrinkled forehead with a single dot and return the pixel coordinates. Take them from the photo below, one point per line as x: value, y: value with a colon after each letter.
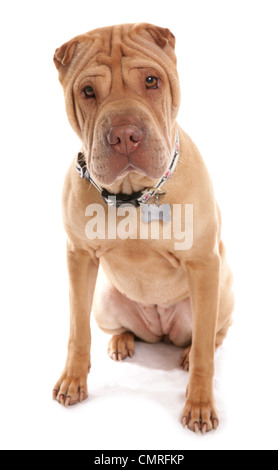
x: 122, y: 39
x: 110, y: 41
x: 118, y: 45
x: 119, y: 63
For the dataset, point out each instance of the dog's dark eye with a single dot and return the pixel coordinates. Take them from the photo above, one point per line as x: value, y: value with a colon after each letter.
x: 89, y: 92
x: 151, y: 83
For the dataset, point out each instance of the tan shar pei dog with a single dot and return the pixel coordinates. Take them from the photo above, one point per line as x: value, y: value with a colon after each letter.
x: 122, y: 97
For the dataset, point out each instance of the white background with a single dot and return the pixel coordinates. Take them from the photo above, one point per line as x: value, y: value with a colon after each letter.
x: 227, y: 53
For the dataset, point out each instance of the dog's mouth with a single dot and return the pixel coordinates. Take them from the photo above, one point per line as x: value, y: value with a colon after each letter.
x: 128, y: 170
x: 110, y: 169
x: 130, y: 179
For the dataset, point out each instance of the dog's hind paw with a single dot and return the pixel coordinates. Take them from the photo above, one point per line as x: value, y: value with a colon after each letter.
x: 121, y: 346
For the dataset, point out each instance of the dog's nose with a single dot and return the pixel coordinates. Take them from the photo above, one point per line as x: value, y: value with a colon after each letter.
x: 125, y: 139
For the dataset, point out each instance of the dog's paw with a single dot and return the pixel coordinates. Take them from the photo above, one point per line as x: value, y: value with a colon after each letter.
x: 71, y: 388
x: 200, y: 417
x: 184, y: 361
x: 121, y: 346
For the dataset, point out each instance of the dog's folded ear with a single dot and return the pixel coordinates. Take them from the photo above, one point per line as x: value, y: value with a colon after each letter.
x: 162, y: 36
x: 64, y: 54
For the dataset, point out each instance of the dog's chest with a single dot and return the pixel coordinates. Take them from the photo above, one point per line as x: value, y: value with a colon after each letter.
x: 146, y: 276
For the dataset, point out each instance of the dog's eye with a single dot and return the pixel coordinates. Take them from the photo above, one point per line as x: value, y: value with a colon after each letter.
x: 151, y: 83
x: 89, y: 92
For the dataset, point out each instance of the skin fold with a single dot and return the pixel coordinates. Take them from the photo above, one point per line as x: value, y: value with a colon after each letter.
x: 122, y: 98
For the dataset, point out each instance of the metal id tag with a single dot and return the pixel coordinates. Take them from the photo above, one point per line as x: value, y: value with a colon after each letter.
x: 155, y: 212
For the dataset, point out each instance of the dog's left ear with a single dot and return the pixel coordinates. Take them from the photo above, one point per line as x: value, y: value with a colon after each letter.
x: 64, y: 54
x: 162, y: 36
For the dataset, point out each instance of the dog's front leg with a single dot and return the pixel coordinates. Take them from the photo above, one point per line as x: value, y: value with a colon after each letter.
x: 72, y: 386
x: 204, y: 278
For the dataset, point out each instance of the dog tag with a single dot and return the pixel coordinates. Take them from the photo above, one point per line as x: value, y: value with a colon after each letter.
x: 155, y: 212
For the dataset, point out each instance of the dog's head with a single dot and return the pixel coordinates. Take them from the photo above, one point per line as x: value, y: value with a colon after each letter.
x: 122, y: 97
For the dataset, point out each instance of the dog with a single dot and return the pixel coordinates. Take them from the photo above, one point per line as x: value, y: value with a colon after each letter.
x: 122, y: 96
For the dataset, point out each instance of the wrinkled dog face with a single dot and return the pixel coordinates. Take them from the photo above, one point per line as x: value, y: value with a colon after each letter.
x: 122, y: 97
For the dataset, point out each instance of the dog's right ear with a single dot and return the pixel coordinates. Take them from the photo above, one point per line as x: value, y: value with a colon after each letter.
x: 64, y: 54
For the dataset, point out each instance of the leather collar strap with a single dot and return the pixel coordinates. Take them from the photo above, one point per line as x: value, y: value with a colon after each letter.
x: 136, y: 199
